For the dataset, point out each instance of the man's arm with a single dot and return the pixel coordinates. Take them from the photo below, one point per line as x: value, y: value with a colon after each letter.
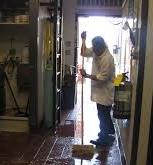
x: 92, y: 77
x: 85, y: 52
x: 105, y: 71
x: 84, y: 74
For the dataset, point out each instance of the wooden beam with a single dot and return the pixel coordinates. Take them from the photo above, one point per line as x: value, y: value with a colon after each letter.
x: 100, y: 11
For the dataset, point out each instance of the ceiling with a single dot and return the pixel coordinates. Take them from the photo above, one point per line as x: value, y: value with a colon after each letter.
x: 100, y: 7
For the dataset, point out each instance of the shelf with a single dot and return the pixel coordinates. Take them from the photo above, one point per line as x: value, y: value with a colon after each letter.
x: 14, y: 24
x: 14, y: 9
x: 29, y: 32
x: 19, y: 31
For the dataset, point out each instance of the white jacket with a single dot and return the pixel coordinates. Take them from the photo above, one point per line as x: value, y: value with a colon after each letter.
x: 103, y: 67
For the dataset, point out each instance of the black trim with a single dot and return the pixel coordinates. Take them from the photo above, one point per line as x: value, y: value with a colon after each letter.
x: 94, y: 12
x: 139, y: 89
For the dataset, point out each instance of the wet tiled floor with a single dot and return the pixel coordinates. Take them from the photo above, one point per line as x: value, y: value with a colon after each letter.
x: 47, y: 149
x: 43, y: 148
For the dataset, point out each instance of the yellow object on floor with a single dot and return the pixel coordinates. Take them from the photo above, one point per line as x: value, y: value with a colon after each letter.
x: 83, y: 151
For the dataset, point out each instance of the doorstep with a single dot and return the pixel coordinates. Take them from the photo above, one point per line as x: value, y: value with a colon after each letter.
x: 14, y: 124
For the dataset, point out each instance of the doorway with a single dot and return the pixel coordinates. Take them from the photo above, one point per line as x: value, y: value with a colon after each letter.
x: 110, y: 29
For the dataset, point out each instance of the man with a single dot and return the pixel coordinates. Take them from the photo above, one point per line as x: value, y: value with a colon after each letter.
x: 102, y: 89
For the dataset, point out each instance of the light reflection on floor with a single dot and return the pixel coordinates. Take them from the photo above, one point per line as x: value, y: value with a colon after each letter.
x: 104, y: 156
x: 91, y: 123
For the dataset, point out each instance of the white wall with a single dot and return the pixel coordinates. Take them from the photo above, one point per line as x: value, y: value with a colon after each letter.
x: 69, y: 30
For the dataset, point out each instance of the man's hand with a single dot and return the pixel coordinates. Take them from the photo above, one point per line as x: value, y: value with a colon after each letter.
x: 83, y: 35
x: 83, y: 72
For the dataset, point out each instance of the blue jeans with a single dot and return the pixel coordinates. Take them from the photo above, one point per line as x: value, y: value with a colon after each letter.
x: 106, y: 124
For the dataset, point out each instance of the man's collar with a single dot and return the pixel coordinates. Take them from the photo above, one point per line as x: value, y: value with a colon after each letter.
x: 104, y: 53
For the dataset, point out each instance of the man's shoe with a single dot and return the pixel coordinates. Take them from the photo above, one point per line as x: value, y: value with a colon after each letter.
x: 94, y: 142
x: 104, y: 142
x: 100, y: 144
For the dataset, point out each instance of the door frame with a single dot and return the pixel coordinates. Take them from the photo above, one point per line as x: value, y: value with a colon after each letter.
x: 150, y: 144
x: 140, y: 81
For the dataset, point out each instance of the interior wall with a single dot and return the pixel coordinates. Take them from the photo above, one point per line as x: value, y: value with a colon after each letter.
x: 125, y: 131
x: 127, y: 140
x: 69, y: 31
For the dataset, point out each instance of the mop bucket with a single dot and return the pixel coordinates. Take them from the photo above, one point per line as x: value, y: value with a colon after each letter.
x: 122, y: 101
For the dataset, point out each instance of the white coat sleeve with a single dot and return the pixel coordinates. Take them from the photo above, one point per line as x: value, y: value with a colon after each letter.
x: 88, y: 52
x: 106, y: 69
